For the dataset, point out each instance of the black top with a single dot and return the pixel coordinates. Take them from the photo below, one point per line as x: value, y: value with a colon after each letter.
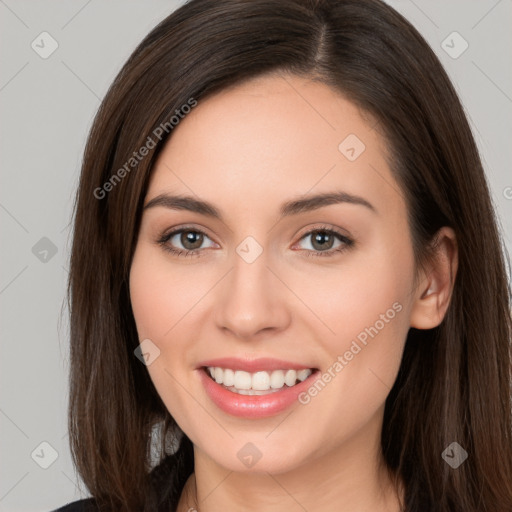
x: 85, y: 505
x: 165, y: 485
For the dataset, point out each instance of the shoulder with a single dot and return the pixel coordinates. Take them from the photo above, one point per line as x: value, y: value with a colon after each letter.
x: 84, y: 505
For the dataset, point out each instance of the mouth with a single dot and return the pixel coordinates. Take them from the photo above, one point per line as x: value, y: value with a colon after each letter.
x: 254, y: 389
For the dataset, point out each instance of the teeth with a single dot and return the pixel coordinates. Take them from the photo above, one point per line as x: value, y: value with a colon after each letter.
x: 246, y: 383
x: 277, y: 379
x: 228, y: 378
x: 242, y: 379
x: 303, y: 374
x: 290, y: 377
x: 260, y: 381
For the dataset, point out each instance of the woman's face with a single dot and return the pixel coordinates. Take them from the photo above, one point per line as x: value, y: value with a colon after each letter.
x: 279, y: 281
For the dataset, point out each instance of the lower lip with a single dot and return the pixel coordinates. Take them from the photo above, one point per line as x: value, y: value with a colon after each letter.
x: 253, y: 406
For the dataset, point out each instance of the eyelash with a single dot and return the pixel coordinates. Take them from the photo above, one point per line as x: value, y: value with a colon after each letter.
x: 347, y: 242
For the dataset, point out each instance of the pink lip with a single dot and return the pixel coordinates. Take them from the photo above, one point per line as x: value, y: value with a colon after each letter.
x: 253, y: 406
x: 253, y: 365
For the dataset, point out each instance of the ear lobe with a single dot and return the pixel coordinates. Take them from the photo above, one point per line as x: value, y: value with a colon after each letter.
x: 434, y: 292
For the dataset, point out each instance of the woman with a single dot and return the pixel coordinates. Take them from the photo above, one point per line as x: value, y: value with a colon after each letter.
x: 286, y: 266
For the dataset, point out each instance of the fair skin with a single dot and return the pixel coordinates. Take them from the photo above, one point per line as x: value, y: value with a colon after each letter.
x: 247, y: 150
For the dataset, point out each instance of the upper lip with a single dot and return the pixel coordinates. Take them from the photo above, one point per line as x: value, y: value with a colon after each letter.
x: 254, y: 365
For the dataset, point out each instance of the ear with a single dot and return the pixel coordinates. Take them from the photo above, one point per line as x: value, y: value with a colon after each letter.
x: 436, y: 281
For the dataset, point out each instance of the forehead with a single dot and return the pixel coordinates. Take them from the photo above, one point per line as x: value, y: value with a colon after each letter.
x: 269, y: 136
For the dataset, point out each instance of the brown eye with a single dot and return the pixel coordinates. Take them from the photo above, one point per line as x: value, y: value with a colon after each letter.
x: 322, y: 240
x: 326, y: 242
x: 184, y: 241
x: 191, y: 239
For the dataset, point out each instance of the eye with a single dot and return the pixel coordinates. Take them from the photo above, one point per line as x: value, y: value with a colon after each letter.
x: 323, y: 242
x: 190, y: 239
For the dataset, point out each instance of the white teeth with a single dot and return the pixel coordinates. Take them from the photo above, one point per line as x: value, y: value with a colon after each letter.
x: 242, y: 379
x: 228, y: 378
x: 255, y: 383
x: 290, y: 377
x: 277, y: 379
x: 261, y: 381
x: 302, y: 375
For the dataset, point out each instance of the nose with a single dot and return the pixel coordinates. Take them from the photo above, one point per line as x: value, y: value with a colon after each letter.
x: 251, y: 300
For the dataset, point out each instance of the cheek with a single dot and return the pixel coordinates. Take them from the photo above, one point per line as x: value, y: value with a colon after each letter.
x: 357, y: 296
x: 363, y: 307
x: 161, y: 295
x: 150, y: 302
x: 159, y: 302
x: 366, y: 310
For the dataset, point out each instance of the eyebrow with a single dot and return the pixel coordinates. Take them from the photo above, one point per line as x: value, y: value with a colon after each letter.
x: 293, y: 207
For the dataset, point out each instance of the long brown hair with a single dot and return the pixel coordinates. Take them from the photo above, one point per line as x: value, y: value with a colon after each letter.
x: 454, y: 382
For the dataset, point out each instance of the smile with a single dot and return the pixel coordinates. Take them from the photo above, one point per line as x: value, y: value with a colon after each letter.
x: 258, y: 383
x: 254, y: 388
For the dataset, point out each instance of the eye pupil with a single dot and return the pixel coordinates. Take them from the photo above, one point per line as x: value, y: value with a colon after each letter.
x: 192, y: 237
x: 322, y: 238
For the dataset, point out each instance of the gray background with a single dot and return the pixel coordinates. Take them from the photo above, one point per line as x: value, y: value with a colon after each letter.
x: 47, y: 106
